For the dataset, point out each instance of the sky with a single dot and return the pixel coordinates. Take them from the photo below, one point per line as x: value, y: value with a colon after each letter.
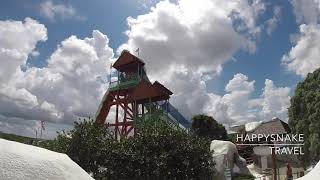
x: 238, y: 60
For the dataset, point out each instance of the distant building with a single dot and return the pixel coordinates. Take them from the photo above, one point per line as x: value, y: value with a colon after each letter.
x: 253, y: 152
x: 275, y: 126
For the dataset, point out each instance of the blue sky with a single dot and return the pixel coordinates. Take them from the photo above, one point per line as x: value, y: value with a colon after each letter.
x: 110, y: 18
x: 107, y: 16
x: 266, y: 62
x: 259, y: 68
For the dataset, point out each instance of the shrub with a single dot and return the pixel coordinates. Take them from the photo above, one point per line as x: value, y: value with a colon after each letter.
x: 157, y: 151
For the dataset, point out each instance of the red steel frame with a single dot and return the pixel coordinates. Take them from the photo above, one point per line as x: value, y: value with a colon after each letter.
x: 124, y: 126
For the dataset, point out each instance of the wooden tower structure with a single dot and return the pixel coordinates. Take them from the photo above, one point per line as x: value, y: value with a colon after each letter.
x: 132, y: 95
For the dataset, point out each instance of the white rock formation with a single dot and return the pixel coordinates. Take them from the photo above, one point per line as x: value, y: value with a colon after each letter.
x: 25, y: 162
x: 226, y: 156
x: 313, y: 174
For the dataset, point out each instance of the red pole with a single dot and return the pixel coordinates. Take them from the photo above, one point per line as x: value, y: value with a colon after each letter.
x: 124, y: 127
x: 134, y: 115
x: 117, y: 116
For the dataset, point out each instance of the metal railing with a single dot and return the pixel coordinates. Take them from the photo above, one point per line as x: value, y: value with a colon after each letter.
x: 124, y: 82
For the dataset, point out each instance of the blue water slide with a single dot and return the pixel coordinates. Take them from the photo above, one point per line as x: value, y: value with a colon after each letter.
x: 173, y: 112
x: 175, y: 115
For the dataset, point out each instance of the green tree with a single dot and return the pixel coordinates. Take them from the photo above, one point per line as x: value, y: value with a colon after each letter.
x: 208, y: 127
x: 304, y: 115
x: 60, y: 144
x: 83, y: 144
x: 88, y: 141
x: 159, y: 151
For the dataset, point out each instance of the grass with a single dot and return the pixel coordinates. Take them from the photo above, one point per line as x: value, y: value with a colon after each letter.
x: 17, y: 138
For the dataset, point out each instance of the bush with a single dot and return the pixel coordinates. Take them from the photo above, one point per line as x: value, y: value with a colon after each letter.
x: 157, y: 151
x: 83, y: 144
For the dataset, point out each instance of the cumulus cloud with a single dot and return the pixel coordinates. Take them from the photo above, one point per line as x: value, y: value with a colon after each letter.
x: 275, y: 101
x: 68, y: 88
x: 238, y: 106
x: 201, y: 36
x: 303, y: 57
x: 71, y: 77
x: 185, y: 43
x: 306, y: 11
x: 13, y: 53
x: 54, y: 11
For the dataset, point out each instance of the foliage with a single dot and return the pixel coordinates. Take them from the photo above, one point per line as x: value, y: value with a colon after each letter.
x: 60, y: 144
x: 88, y: 138
x: 304, y: 115
x: 17, y: 138
x: 83, y: 144
x: 157, y: 151
x: 207, y: 127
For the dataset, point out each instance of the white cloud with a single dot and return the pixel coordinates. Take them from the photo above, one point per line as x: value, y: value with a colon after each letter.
x: 18, y: 39
x: 235, y: 103
x: 303, y: 57
x: 54, y: 11
x: 235, y: 107
x: 306, y: 11
x: 146, y: 4
x: 272, y: 23
x: 66, y: 89
x: 186, y: 43
x: 238, y: 106
x: 275, y: 101
x: 72, y: 76
x: 240, y: 83
x: 196, y: 35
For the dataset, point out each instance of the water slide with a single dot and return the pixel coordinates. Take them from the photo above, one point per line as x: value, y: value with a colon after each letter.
x: 172, y: 112
x: 175, y: 115
x: 104, y: 108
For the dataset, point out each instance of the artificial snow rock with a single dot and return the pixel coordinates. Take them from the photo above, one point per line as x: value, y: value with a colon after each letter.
x: 25, y: 162
x: 313, y: 174
x: 226, y: 156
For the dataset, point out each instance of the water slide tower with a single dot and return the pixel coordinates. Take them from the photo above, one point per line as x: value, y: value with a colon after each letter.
x: 132, y: 96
